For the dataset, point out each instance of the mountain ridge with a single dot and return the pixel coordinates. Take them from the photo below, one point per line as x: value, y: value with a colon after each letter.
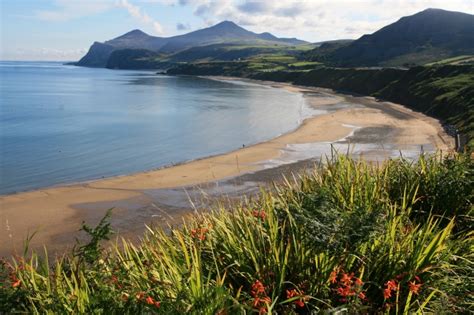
x: 223, y: 32
x: 416, y: 39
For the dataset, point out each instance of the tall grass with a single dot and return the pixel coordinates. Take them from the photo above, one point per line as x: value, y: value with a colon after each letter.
x: 350, y: 237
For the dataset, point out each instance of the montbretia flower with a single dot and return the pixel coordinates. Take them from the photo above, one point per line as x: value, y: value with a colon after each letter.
x: 390, y: 285
x: 333, y: 276
x: 257, y: 288
x: 149, y: 300
x: 387, y: 293
x: 16, y: 284
x: 358, y: 282
x: 261, y: 300
x: 414, y: 287
x: 292, y: 293
x: 199, y: 233
x: 259, y: 214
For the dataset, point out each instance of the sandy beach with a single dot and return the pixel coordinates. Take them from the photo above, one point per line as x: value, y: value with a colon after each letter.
x: 56, y: 213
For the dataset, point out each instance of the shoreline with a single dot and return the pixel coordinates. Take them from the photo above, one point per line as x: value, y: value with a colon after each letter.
x: 58, y: 211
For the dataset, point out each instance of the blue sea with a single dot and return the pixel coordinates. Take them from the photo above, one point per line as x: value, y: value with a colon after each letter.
x: 63, y: 124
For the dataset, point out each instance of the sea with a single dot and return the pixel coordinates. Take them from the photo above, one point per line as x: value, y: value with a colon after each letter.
x: 62, y: 124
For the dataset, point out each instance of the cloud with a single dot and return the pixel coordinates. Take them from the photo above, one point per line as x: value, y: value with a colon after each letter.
x: 44, y: 54
x: 137, y: 13
x: 254, y: 7
x: 182, y: 27
x: 315, y: 20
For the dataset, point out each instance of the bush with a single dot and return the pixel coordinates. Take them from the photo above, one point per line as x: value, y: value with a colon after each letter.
x: 351, y: 237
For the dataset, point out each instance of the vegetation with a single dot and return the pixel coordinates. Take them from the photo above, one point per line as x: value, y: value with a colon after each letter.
x: 351, y: 237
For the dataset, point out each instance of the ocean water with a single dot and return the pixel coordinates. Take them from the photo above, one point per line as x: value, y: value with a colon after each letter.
x: 63, y: 124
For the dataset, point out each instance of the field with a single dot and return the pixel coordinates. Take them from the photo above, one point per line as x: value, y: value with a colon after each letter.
x: 348, y: 237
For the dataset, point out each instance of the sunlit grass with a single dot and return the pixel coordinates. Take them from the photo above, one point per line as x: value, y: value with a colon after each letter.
x: 351, y: 236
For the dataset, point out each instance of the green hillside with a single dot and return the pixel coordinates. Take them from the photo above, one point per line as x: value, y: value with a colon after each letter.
x: 425, y: 37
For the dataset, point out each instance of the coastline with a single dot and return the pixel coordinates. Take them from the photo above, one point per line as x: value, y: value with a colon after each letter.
x: 56, y: 212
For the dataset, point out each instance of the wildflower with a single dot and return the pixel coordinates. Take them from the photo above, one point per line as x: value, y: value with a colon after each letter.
x: 259, y: 214
x: 199, y: 233
x: 345, y: 291
x: 333, y: 276
x: 362, y: 296
x: 292, y: 293
x: 299, y: 303
x: 392, y: 285
x: 260, y: 297
x: 15, y: 281
x: 346, y: 279
x: 358, y: 282
x: 414, y: 287
x: 157, y: 304
x: 257, y: 288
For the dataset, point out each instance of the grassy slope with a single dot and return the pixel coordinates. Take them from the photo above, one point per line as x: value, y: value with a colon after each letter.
x: 350, y: 236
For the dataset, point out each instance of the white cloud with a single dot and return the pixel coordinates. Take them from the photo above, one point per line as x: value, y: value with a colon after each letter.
x: 137, y: 13
x: 44, y: 54
x: 316, y: 20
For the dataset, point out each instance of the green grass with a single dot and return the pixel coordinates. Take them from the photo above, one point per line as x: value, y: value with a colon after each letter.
x: 350, y: 237
x: 465, y: 59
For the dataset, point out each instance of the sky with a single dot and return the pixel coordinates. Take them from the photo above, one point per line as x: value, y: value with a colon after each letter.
x: 65, y: 29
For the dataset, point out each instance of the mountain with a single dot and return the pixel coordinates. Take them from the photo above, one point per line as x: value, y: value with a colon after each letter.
x: 223, y: 33
x: 427, y: 36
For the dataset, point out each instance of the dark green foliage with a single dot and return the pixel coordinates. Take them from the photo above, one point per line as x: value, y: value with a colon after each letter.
x: 91, y: 251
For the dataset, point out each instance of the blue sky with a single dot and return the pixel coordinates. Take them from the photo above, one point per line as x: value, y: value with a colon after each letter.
x: 64, y: 29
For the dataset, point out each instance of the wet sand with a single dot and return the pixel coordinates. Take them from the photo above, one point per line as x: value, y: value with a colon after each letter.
x: 376, y: 130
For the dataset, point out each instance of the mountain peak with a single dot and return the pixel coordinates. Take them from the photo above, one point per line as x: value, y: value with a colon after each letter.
x: 226, y: 25
x: 134, y: 33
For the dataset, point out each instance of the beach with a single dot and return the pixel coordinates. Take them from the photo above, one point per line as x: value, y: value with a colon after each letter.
x: 56, y: 213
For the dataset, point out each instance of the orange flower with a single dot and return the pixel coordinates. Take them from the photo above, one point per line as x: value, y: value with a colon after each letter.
x: 333, y: 276
x: 414, y: 287
x: 346, y: 279
x: 257, y: 288
x: 259, y: 214
x: 149, y: 300
x: 291, y: 293
x: 199, y: 233
x: 392, y: 285
x: 387, y: 293
x: 358, y: 282
x: 16, y: 284
x: 299, y: 303
x: 362, y: 296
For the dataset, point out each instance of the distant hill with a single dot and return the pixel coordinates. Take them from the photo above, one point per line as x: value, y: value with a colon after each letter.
x: 427, y: 36
x: 223, y: 33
